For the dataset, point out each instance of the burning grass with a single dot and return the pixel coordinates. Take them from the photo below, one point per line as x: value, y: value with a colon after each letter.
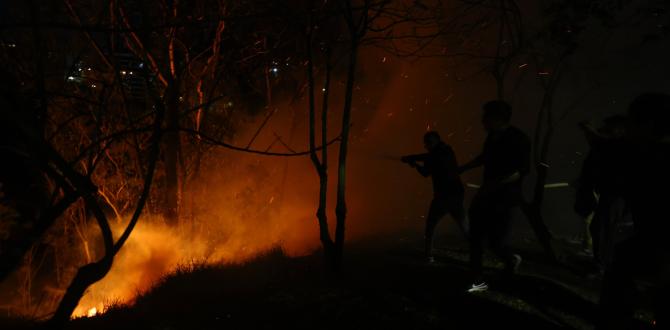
x: 231, y: 218
x: 273, y: 291
x: 155, y: 249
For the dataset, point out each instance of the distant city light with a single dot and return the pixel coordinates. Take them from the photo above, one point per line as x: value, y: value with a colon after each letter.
x: 70, y: 78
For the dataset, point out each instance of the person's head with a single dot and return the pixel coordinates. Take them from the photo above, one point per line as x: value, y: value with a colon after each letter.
x: 496, y: 115
x: 614, y: 126
x: 649, y: 116
x: 430, y: 140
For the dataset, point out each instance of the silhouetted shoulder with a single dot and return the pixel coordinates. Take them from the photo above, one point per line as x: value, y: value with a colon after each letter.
x: 446, y: 148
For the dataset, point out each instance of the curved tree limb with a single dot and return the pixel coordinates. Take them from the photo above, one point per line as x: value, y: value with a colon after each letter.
x: 220, y: 143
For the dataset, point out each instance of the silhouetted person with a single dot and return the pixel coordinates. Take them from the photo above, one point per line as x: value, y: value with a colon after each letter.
x: 601, y: 185
x: 506, y: 160
x: 440, y: 164
x: 646, y: 255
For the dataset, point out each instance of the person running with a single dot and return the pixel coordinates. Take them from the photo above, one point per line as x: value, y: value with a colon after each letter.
x: 440, y: 164
x: 506, y: 161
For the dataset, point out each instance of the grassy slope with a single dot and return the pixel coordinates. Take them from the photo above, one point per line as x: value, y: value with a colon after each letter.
x: 379, y: 289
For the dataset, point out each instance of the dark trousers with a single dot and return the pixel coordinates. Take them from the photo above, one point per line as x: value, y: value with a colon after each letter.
x: 608, y: 214
x: 634, y: 258
x: 490, y: 220
x: 440, y: 206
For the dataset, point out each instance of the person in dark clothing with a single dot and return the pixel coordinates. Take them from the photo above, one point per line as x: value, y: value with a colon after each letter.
x: 506, y: 160
x: 646, y: 255
x: 601, y: 185
x: 440, y: 164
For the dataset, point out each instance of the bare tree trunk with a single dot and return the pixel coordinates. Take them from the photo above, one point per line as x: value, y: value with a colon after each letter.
x: 341, y: 206
x: 85, y: 277
x: 533, y: 209
x: 321, y: 166
x: 171, y: 153
x: 172, y: 142
x: 323, y: 173
x: 94, y: 272
x: 541, y: 142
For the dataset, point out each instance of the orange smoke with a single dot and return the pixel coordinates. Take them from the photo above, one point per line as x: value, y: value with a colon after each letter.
x: 154, y: 250
x: 236, y: 216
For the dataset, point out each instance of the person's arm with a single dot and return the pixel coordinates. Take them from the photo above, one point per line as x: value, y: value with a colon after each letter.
x: 477, y: 162
x: 409, y: 159
x: 412, y: 160
x: 423, y: 170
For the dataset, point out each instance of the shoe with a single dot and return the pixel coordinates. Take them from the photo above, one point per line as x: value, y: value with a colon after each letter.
x: 516, y: 263
x: 481, y: 287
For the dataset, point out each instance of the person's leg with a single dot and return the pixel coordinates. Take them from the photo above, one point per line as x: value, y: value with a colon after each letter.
x: 477, y: 215
x: 457, y: 211
x: 534, y: 216
x: 500, y: 228
x: 596, y: 233
x: 437, y: 210
x: 609, y: 227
